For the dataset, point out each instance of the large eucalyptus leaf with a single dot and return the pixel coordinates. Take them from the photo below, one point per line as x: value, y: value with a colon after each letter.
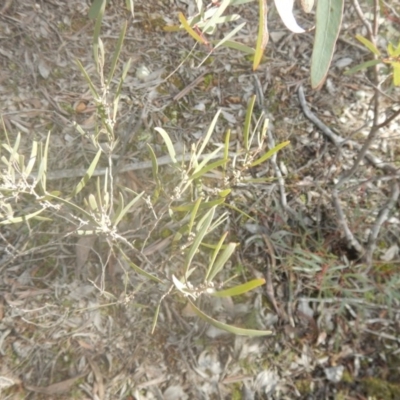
x: 328, y: 22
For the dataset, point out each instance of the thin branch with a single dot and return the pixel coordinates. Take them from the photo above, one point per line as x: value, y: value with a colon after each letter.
x: 388, y: 120
x: 363, y: 152
x: 360, y: 14
x: 372, y: 33
x: 376, y: 18
x: 380, y: 220
x: 360, y: 156
x: 333, y: 137
x: 339, y: 141
x: 351, y: 240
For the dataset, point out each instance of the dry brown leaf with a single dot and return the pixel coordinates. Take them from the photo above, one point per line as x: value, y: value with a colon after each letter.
x: 80, y: 107
x: 84, y: 344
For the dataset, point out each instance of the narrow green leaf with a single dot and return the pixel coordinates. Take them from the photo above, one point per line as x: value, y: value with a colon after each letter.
x: 155, y: 318
x: 139, y: 270
x: 209, y: 133
x: 130, y: 6
x: 88, y: 174
x: 14, y: 152
x: 221, y: 260
x: 154, y: 163
x: 32, y: 158
x: 96, y: 33
x: 236, y: 45
x: 128, y: 207
x: 256, y: 128
x: 72, y: 206
x: 203, y: 225
x: 99, y: 53
x: 230, y: 35
x: 208, y: 168
x: 119, y: 88
x: 168, y: 143
x: 21, y: 163
x: 239, y: 2
x: 240, y: 289
x: 204, y: 205
x: 263, y: 36
x: 220, y: 10
x: 41, y: 177
x: 206, y: 159
x: 369, y: 45
x: 190, y: 30
x: 224, y: 193
x: 13, y: 157
x: 92, y: 202
x: 88, y: 80
x: 247, y: 216
x: 362, y: 66
x: 214, y: 256
x: 211, y: 30
x: 226, y: 327
x: 200, y: 6
x: 269, y: 153
x: 328, y: 22
x: 16, y: 220
x: 263, y: 132
x: 96, y: 7
x: 99, y: 205
x: 396, y: 73
x: 8, y: 164
x: 121, y: 205
x: 193, y: 214
x: 212, y: 246
x: 117, y: 52
x: 8, y: 147
x: 249, y: 181
x: 226, y: 146
x: 247, y: 123
x: 219, y: 221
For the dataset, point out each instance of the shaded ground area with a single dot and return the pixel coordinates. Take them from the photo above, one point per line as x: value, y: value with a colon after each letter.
x: 75, y: 319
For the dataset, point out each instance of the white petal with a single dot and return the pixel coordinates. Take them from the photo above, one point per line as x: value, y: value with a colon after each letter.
x: 285, y: 10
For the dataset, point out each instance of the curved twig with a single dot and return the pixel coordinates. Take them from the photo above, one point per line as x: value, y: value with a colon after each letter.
x: 339, y: 141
